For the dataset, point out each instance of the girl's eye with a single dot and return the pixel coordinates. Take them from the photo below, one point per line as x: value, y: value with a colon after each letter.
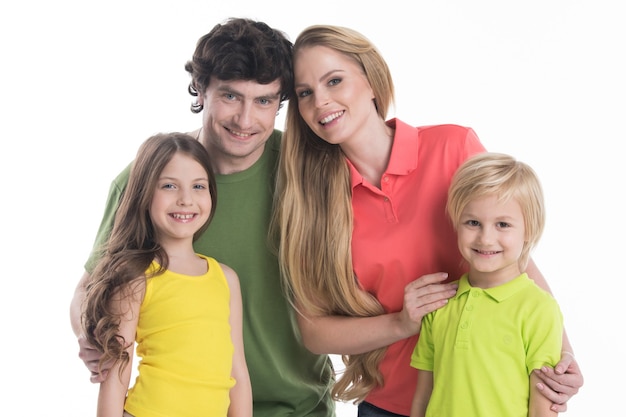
x: 473, y: 223
x: 199, y: 187
x: 503, y: 225
x: 168, y: 186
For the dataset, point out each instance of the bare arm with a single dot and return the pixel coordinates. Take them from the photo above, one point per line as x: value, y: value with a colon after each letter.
x: 241, y: 393
x: 76, y: 304
x: 422, y: 393
x: 562, y: 382
x: 538, y: 405
x: 112, y: 394
x: 89, y: 355
x: 354, y: 335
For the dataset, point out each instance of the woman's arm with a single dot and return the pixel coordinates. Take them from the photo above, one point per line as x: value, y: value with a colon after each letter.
x: 354, y: 335
x: 241, y: 393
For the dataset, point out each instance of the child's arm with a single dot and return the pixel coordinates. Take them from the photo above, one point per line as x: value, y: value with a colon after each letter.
x: 422, y: 393
x: 112, y: 394
x: 241, y: 393
x: 538, y: 404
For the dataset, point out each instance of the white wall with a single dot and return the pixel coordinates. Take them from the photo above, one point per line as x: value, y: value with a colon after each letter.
x: 82, y: 84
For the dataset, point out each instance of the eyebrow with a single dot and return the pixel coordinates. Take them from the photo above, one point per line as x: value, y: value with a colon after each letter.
x: 177, y: 179
x: 325, y: 75
x: 227, y: 89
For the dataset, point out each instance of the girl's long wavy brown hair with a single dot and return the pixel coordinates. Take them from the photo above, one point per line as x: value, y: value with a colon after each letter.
x: 132, y: 245
x: 313, y: 216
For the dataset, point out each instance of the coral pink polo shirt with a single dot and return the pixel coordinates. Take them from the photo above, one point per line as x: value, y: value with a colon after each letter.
x: 402, y: 232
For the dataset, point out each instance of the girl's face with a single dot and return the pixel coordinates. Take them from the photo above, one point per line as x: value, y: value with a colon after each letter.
x: 334, y: 97
x: 182, y: 202
x: 491, y: 238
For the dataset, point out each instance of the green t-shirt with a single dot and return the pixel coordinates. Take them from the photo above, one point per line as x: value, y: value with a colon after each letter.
x: 287, y: 379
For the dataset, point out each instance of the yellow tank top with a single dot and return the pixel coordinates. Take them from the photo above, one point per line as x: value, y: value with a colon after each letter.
x: 184, y: 346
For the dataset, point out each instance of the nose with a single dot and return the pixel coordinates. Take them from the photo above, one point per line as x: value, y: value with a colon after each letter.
x: 486, y: 235
x: 245, y: 114
x: 321, y: 98
x: 184, y: 198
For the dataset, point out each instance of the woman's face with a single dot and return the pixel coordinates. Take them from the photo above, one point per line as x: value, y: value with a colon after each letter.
x: 334, y: 97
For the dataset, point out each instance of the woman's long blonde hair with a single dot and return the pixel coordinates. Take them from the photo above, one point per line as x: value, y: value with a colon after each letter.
x: 313, y: 217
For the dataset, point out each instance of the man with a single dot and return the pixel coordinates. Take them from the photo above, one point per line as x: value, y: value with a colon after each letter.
x: 241, y: 74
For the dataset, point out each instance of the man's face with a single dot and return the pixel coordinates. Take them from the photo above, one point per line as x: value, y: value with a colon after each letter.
x: 237, y: 120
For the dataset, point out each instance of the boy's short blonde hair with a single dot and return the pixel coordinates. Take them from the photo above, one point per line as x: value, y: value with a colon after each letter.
x: 492, y: 173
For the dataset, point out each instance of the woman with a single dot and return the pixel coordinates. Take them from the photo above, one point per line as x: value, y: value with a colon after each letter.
x: 366, y: 248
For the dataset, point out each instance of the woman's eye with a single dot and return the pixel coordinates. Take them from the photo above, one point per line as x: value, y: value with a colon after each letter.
x: 304, y: 93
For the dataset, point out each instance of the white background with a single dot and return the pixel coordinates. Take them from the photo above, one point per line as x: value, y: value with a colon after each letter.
x: 83, y: 83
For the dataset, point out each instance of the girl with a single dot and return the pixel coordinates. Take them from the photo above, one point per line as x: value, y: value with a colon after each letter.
x: 182, y: 309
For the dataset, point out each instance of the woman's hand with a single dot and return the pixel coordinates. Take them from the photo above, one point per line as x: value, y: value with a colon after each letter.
x: 425, y: 294
x: 561, y: 383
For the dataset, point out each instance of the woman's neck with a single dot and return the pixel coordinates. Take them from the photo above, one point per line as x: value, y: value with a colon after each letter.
x: 370, y: 154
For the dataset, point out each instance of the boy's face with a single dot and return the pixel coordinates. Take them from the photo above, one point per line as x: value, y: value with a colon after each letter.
x: 491, y: 238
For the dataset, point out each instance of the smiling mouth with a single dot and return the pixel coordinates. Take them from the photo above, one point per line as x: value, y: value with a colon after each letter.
x: 331, y: 117
x: 182, y: 216
x: 484, y: 252
x: 238, y: 134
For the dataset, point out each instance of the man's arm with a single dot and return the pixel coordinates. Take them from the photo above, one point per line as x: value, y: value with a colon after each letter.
x: 89, y: 355
x: 76, y: 305
x: 562, y: 382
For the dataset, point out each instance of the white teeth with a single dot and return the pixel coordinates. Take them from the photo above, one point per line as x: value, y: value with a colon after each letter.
x: 182, y: 216
x: 241, y: 135
x: 331, y: 117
